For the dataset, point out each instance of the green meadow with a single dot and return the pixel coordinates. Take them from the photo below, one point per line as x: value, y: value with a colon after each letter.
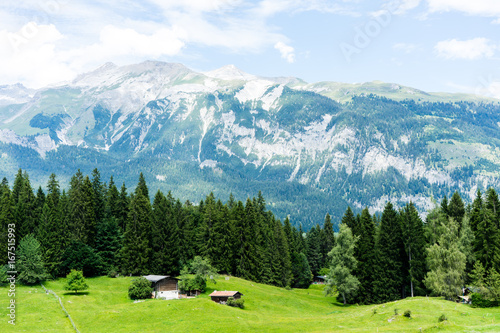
x: 105, y: 307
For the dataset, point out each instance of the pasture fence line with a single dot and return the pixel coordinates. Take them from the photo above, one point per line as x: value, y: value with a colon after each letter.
x: 48, y: 291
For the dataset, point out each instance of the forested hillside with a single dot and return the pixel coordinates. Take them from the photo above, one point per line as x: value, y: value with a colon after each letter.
x: 99, y: 227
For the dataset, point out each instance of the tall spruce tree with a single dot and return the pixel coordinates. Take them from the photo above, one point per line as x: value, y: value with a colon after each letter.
x: 314, y: 249
x: 327, y: 239
x: 246, y: 266
x: 364, y: 253
x: 123, y: 208
x: 414, y: 242
x: 24, y: 212
x: 476, y: 214
x: 456, y: 209
x: 136, y: 251
x: 390, y: 258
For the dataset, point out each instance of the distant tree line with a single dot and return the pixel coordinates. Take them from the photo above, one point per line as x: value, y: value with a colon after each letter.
x: 101, y: 229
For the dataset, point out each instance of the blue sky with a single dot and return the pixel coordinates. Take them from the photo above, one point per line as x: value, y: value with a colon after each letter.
x: 433, y: 45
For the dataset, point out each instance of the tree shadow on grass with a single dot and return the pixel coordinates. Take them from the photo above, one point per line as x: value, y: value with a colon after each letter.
x: 72, y: 293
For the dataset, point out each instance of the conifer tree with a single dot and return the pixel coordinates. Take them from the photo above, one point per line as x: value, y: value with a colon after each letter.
x: 112, y: 208
x: 444, y: 207
x: 466, y: 239
x: 246, y: 266
x: 301, y: 271
x: 29, y: 261
x: 165, y: 236
x: 37, y: 207
x: 364, y: 253
x: 486, y: 242
x: 141, y: 186
x: 349, y: 219
x: 414, y: 242
x: 476, y: 214
x: 123, y: 208
x: 24, y: 213
x: 136, y: 251
x: 223, y: 232
x: 51, y: 235
x: 314, y: 249
x: 108, y: 243
x: 6, y: 218
x: 17, y: 187
x: 99, y: 196
x: 456, y: 209
x: 206, y: 236
x: 327, y: 239
x: 390, y: 255
x: 283, y: 274
x: 492, y: 203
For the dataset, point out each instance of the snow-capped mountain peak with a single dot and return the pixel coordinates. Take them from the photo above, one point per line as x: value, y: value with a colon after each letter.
x: 229, y: 73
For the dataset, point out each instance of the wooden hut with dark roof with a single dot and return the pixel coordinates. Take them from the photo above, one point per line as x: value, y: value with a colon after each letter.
x: 222, y: 296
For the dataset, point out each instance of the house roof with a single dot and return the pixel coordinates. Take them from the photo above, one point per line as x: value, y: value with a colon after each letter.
x: 224, y: 293
x: 156, y: 278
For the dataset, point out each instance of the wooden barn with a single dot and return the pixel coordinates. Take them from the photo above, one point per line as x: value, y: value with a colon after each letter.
x: 164, y: 286
x: 222, y: 296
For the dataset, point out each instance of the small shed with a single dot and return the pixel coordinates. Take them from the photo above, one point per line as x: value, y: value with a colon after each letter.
x: 320, y: 279
x: 164, y: 286
x: 222, y: 296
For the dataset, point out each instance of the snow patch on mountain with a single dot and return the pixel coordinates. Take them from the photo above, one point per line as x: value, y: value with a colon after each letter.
x: 253, y: 90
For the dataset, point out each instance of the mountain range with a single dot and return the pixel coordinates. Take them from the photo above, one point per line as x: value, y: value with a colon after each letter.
x: 311, y: 148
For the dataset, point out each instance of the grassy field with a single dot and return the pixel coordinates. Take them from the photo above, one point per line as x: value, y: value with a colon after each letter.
x: 106, y: 308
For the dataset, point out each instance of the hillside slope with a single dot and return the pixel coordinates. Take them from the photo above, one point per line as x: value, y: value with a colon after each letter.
x: 105, y: 308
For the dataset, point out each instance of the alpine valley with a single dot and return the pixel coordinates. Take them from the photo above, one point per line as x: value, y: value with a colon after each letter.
x: 311, y: 148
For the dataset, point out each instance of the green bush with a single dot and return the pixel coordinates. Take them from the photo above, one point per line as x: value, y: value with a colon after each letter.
x: 140, y: 289
x: 75, y: 281
x: 112, y: 273
x: 407, y: 314
x: 396, y: 312
x: 237, y: 303
x: 442, y: 318
x: 478, y: 301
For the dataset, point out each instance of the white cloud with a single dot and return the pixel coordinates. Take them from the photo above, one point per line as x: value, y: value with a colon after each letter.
x: 76, y: 36
x: 29, y: 56
x: 287, y: 52
x: 471, y: 49
x: 401, y: 6
x: 476, y: 7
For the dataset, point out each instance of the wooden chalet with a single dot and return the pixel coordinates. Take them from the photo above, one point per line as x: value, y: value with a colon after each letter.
x: 164, y: 286
x: 221, y: 297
